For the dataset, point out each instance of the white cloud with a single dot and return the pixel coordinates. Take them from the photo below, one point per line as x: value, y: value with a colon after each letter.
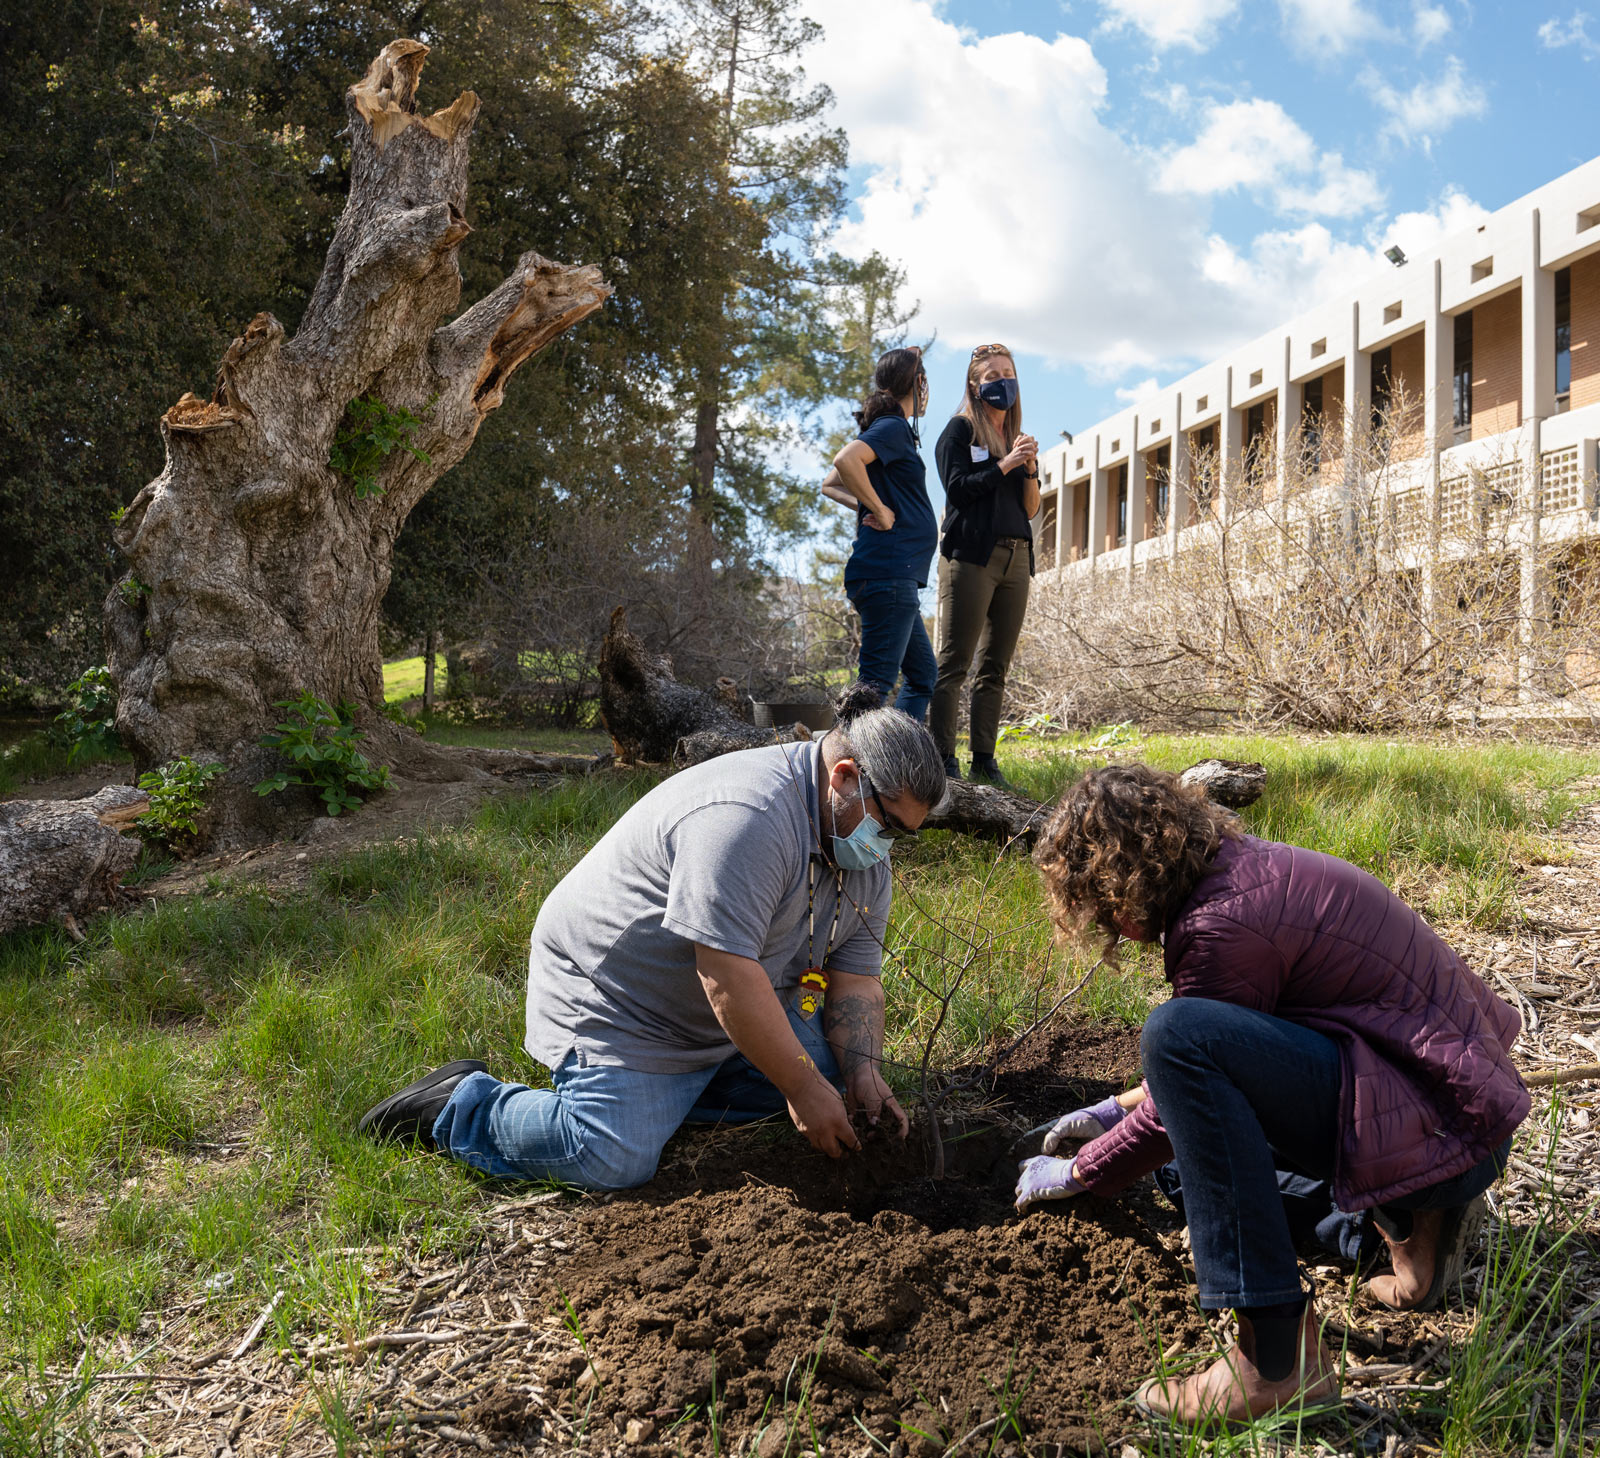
x: 1128, y: 394
x: 1065, y: 244
x: 1258, y: 146
x: 1572, y: 32
x: 1430, y: 24
x: 1278, y: 263
x: 1329, y: 27
x: 1430, y: 108
x: 1165, y: 23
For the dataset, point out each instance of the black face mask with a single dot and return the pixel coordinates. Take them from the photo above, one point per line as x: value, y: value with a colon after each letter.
x: 1002, y: 394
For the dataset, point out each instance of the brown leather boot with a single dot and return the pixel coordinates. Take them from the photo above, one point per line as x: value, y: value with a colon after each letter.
x: 1231, y: 1390
x: 1429, y: 1262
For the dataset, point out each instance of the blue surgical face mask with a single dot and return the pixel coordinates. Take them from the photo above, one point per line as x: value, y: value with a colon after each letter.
x: 1002, y: 394
x: 865, y: 846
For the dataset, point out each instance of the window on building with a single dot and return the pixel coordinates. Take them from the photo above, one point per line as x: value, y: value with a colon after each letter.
x: 1204, y: 464
x: 1462, y: 378
x: 1119, y: 498
x: 1382, y: 385
x: 1563, y: 338
x: 1311, y: 421
x: 1255, y: 424
x: 1163, y: 487
x: 1082, y: 531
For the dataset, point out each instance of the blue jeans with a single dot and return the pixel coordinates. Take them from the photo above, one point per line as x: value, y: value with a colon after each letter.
x: 601, y: 1126
x: 894, y: 641
x: 1243, y: 1094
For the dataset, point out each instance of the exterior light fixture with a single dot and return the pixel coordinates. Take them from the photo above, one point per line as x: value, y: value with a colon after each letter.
x: 1066, y: 435
x: 1395, y: 255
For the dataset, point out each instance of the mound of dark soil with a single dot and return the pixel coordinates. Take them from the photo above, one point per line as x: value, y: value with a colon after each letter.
x: 784, y: 1287
x: 747, y: 1296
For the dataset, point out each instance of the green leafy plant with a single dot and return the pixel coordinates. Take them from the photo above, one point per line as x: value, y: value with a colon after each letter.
x: 1035, y: 726
x: 371, y: 431
x: 320, y: 741
x: 177, y: 792
x: 131, y: 590
x: 89, y: 722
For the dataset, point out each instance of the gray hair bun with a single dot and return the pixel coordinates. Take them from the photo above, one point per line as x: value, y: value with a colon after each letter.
x: 894, y: 751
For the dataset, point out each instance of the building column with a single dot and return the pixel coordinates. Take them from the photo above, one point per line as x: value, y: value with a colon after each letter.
x: 1098, y: 494
x: 1136, y: 494
x: 1290, y: 403
x: 1178, y: 488
x: 1538, y: 403
x: 1227, y: 449
x: 1357, y: 423
x: 1438, y: 370
x: 1064, y: 495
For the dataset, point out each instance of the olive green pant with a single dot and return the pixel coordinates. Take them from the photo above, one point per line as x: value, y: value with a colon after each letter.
x: 980, y: 611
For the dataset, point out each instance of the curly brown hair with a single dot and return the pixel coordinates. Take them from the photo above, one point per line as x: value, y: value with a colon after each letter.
x: 1126, y: 842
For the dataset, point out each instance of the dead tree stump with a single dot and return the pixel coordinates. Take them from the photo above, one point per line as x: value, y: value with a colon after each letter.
x: 653, y: 718
x: 255, y: 569
x: 61, y: 859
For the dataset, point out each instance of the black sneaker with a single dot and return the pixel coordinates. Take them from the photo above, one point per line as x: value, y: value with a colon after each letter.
x: 987, y: 772
x: 952, y: 771
x: 410, y: 1114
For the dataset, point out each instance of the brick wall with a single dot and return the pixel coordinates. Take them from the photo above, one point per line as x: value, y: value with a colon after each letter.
x: 1408, y: 370
x: 1497, y: 365
x: 1586, y: 332
x: 1332, y: 465
x: 1077, y: 499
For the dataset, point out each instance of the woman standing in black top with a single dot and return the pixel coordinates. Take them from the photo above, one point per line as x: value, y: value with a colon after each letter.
x: 991, y: 487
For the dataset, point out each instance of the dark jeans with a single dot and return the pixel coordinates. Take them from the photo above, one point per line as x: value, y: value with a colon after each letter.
x: 894, y: 640
x: 981, y: 607
x: 1243, y: 1094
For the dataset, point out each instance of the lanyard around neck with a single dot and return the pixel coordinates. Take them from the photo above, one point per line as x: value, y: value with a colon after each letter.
x: 811, y: 915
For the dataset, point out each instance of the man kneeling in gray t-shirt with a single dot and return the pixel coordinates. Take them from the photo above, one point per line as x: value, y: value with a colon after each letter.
x: 715, y: 958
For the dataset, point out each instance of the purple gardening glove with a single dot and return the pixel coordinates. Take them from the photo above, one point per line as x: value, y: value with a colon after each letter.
x: 1088, y: 1123
x: 1044, y: 1178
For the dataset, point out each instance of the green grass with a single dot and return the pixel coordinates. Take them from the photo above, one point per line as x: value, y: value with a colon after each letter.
x: 539, y: 741
x: 268, y: 1023
x: 402, y: 679
x: 39, y: 756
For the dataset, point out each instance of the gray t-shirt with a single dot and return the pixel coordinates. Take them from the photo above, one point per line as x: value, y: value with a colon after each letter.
x: 721, y: 855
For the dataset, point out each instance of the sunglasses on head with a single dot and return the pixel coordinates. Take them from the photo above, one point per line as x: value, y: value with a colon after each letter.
x: 984, y: 350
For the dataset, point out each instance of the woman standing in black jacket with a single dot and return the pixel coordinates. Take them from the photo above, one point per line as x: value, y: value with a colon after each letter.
x: 991, y: 486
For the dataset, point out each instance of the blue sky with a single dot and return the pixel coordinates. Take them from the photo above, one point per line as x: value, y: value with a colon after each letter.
x: 1122, y: 189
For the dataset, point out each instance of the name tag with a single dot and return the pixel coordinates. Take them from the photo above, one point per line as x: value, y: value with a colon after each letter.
x: 979, y: 453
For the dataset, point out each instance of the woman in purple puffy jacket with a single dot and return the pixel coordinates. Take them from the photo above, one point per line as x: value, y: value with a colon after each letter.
x: 1317, y: 1023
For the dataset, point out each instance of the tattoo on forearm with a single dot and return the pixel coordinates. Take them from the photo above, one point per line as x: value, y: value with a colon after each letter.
x: 854, y: 1027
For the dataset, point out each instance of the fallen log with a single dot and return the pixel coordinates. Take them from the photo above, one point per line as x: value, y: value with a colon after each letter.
x: 1004, y: 815
x: 1231, y: 782
x: 62, y: 859
x: 988, y: 812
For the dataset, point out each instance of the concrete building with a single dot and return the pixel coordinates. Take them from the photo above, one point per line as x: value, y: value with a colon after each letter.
x: 1496, y: 337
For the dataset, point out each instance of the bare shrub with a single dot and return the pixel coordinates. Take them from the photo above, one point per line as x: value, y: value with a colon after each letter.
x: 1327, y: 594
x: 544, y: 603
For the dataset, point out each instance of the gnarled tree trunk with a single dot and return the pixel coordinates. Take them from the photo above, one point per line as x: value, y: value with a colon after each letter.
x: 255, y: 570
